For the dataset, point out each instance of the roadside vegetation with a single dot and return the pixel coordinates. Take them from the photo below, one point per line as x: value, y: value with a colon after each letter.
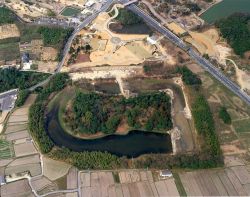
x: 91, y: 113
x: 188, y: 77
x: 235, y: 29
x: 21, y: 98
x: 11, y: 78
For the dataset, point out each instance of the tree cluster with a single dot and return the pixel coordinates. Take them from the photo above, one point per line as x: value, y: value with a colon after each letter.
x: 22, y: 96
x: 87, y: 160
x: 188, y: 77
x: 126, y: 17
x: 37, y: 112
x: 224, y: 115
x: 54, y: 35
x: 11, y: 78
x: 204, y: 124
x: 37, y: 127
x: 93, y: 112
x: 236, y: 30
x: 6, y: 16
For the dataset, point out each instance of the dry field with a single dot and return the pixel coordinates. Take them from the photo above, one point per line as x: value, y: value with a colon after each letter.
x: 9, y: 31
x: 72, y: 178
x: 233, y: 181
x: 17, y: 135
x: 54, y: 169
x: 23, y: 149
x: 16, y: 132
x: 17, y: 188
x: 134, y: 183
x: 43, y: 185
x: 49, y: 54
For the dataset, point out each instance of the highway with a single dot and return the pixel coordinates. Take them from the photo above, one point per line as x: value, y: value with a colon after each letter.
x: 198, y: 58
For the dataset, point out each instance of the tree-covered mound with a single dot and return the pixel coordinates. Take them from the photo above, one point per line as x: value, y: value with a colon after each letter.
x: 11, y: 78
x: 126, y: 17
x: 236, y: 29
x: 90, y: 113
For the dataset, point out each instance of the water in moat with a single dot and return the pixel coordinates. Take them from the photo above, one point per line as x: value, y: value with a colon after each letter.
x: 134, y: 144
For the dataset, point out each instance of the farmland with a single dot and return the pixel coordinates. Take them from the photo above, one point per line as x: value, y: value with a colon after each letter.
x: 9, y: 51
x: 232, y: 181
x: 6, y: 149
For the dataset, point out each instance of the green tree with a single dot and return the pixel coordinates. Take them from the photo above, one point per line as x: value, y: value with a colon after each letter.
x: 224, y: 115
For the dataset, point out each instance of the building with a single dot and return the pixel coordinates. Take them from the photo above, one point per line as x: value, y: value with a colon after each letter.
x: 152, y: 39
x: 90, y: 3
x: 165, y: 173
x: 2, y: 180
x: 8, y: 99
x: 26, y: 61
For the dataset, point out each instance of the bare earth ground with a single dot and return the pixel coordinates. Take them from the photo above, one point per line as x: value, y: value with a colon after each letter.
x: 18, y: 188
x: 132, y: 48
x: 49, y: 54
x: 207, y: 42
x: 54, y: 169
x: 46, y: 66
x: 9, y: 31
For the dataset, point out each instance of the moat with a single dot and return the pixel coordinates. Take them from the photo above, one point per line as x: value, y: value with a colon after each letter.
x: 134, y: 144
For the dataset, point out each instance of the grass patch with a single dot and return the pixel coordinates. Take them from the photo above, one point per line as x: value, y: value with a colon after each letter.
x: 116, y: 177
x: 9, y: 51
x: 179, y: 185
x: 242, y: 126
x: 6, y: 150
x: 69, y: 11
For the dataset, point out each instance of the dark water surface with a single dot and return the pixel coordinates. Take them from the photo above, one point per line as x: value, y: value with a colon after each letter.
x: 225, y: 9
x: 131, y: 145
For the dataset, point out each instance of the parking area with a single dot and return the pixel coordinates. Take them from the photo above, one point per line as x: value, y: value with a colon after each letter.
x: 7, y: 100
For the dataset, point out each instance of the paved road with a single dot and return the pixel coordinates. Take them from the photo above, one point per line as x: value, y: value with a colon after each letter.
x: 87, y: 21
x: 198, y: 58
